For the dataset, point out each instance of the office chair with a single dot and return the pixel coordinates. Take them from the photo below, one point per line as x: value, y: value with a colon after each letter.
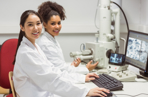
x: 7, y: 55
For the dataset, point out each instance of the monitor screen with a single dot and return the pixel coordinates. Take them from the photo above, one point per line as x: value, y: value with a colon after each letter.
x: 137, y: 49
x: 117, y: 59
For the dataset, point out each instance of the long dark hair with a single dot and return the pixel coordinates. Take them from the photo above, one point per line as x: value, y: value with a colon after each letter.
x: 23, y: 18
x: 48, y: 9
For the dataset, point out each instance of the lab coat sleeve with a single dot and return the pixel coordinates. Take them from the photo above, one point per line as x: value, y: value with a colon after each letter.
x: 47, y: 77
x: 54, y: 57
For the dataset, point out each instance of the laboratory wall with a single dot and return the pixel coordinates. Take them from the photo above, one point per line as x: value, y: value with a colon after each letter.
x: 79, y: 25
x: 80, y: 14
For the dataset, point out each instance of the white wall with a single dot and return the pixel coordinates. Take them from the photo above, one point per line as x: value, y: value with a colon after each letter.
x: 80, y: 14
x: 78, y: 27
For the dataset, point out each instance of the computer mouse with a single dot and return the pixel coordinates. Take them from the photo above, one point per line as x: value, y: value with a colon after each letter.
x: 108, y: 95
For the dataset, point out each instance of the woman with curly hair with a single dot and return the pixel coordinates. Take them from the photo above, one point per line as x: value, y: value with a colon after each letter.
x: 52, y: 14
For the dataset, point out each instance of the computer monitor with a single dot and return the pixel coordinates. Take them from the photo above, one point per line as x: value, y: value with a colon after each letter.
x: 137, y: 51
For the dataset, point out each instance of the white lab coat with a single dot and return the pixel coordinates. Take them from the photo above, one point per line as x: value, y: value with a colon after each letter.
x: 54, y: 54
x: 35, y: 76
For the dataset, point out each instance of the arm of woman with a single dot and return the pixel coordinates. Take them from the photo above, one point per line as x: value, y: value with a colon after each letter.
x: 57, y: 59
x: 46, y: 76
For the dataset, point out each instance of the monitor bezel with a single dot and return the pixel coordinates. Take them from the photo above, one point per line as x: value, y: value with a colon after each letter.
x: 146, y: 68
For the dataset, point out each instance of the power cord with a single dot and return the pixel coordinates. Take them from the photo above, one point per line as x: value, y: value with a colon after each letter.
x: 130, y: 95
x: 123, y: 14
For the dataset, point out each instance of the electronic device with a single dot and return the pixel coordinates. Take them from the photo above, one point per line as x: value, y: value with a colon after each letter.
x: 124, y: 76
x: 117, y: 59
x: 137, y: 51
x: 108, y: 82
x: 117, y: 68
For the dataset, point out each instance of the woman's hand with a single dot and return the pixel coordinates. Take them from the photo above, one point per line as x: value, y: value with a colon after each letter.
x: 76, y: 62
x: 98, y: 92
x: 90, y: 66
x: 91, y: 76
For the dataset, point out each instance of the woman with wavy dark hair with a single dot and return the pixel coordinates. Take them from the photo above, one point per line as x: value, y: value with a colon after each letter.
x: 33, y: 74
x: 52, y: 14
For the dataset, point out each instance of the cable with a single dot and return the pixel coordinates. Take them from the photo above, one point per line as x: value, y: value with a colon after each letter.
x: 130, y: 95
x: 140, y: 94
x: 96, y: 15
x: 123, y: 14
x: 124, y: 17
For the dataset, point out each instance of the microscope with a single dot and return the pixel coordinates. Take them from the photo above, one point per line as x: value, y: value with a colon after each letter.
x: 107, y: 42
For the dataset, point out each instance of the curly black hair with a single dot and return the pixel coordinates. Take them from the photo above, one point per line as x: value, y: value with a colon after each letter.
x: 48, y: 9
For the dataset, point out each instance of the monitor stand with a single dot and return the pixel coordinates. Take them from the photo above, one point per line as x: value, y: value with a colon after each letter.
x: 145, y: 74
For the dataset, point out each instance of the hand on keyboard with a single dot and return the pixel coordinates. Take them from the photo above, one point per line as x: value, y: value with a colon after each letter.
x: 108, y: 82
x: 101, y: 92
x: 91, y: 76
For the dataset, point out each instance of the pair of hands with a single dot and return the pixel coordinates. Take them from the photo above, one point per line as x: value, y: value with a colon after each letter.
x: 91, y: 76
x: 89, y: 66
x: 95, y: 91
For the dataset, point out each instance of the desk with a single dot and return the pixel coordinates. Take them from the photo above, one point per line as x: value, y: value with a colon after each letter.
x: 129, y: 88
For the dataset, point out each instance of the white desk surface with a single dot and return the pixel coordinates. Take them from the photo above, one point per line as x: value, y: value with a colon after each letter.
x: 129, y: 88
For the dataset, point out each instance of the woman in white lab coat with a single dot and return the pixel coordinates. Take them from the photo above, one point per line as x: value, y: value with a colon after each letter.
x: 34, y: 75
x: 52, y: 14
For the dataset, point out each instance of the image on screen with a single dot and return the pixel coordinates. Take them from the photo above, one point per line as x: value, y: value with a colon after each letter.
x: 116, y: 58
x: 137, y: 51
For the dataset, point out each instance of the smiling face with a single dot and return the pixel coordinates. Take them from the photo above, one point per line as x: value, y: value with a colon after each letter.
x: 32, y: 27
x: 53, y: 26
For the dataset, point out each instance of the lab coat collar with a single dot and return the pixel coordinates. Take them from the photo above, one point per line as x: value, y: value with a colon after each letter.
x: 50, y: 37
x: 26, y: 41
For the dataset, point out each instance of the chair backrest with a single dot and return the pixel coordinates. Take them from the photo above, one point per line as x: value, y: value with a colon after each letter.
x: 2, y: 90
x: 11, y: 83
x: 7, y: 55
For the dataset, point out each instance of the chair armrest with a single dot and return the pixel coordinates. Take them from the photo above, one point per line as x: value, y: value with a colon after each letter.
x: 4, y: 91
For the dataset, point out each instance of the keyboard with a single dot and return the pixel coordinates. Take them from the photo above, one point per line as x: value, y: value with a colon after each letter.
x: 108, y: 82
